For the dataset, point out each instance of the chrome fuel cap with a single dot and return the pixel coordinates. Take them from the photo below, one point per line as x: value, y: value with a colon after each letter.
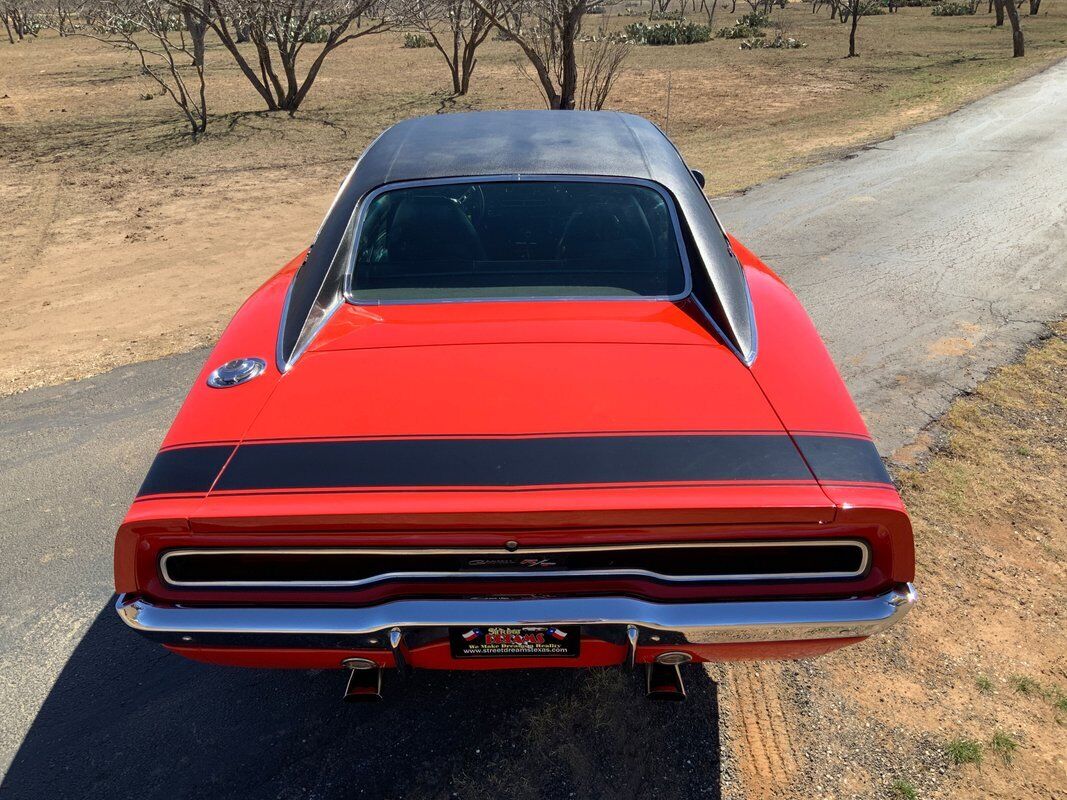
x: 236, y: 372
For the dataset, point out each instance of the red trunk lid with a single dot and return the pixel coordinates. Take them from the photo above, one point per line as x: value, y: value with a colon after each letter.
x: 501, y: 411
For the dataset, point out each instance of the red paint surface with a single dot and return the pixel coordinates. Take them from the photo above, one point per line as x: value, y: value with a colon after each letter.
x: 523, y: 368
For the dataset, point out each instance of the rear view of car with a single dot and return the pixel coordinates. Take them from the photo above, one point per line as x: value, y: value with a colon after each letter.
x: 522, y: 404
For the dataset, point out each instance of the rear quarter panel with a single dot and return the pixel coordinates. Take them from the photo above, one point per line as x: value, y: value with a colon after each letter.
x: 801, y: 381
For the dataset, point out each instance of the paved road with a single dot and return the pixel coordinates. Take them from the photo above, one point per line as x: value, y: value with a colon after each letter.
x: 930, y: 258
x: 925, y: 261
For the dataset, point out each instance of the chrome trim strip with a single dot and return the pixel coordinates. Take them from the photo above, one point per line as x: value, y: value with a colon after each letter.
x: 365, y: 202
x: 465, y: 574
x: 702, y: 622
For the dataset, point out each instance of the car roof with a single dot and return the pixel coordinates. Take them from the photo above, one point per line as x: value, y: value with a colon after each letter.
x: 608, y: 144
x: 518, y: 142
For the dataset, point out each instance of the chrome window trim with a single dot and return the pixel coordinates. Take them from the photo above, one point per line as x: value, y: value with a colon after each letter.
x: 365, y: 202
x: 472, y: 574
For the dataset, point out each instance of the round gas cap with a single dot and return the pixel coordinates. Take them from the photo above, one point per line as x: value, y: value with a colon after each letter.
x: 238, y: 371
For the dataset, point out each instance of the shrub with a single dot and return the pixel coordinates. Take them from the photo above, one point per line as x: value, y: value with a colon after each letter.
x: 669, y: 16
x: 779, y: 42
x: 953, y: 10
x: 668, y: 33
x: 315, y: 35
x: 747, y: 27
x: 415, y: 41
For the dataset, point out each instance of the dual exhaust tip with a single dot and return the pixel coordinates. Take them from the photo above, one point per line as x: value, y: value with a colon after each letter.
x: 663, y: 678
x: 364, y: 680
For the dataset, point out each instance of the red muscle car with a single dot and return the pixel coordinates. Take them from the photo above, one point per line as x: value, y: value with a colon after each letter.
x: 523, y: 403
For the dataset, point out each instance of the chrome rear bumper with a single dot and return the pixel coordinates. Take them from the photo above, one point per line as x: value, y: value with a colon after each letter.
x: 695, y: 623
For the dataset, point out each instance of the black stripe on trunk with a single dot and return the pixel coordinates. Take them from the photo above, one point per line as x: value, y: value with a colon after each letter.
x: 836, y: 459
x: 185, y: 470
x: 513, y: 462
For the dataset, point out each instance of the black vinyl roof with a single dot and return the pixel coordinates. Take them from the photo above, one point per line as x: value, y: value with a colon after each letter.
x: 494, y: 143
x: 517, y: 142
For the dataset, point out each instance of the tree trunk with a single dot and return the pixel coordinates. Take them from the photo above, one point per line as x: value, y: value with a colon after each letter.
x: 855, y: 9
x: 197, y: 30
x: 1035, y: 6
x: 468, y: 64
x: 1018, y: 48
x: 711, y: 11
x: 568, y: 87
x: 1000, y: 12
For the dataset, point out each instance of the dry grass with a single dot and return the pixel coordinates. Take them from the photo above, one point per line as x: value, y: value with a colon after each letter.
x: 122, y: 241
x: 980, y: 665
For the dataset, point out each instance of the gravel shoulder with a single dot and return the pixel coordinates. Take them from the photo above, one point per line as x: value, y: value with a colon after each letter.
x: 979, y: 667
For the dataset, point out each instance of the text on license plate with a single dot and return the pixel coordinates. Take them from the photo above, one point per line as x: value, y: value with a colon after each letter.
x: 563, y: 641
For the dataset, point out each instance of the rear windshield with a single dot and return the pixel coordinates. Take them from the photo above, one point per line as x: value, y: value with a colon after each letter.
x: 506, y: 239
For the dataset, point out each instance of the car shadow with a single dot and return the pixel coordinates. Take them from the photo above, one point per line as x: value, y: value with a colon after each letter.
x: 127, y: 719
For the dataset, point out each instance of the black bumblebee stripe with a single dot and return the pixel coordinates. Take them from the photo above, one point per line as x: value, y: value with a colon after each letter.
x: 843, y: 459
x: 185, y: 470
x: 512, y: 462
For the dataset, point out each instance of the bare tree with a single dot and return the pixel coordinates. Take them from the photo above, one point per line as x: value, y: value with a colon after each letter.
x: 1000, y: 12
x: 148, y: 28
x: 851, y: 11
x: 601, y: 63
x: 20, y: 19
x: 709, y: 10
x: 657, y: 6
x: 1018, y: 47
x: 457, y: 29
x: 549, y: 38
x: 279, y: 31
x: 61, y: 15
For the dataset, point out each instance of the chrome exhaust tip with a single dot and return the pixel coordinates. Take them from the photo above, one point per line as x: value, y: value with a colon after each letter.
x: 674, y: 657
x: 663, y: 681
x: 364, y: 680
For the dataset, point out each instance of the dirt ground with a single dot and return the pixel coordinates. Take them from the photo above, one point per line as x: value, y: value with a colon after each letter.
x: 123, y: 241
x: 977, y: 671
x: 981, y: 662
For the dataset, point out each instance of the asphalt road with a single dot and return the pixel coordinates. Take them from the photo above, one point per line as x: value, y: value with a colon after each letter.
x: 925, y: 261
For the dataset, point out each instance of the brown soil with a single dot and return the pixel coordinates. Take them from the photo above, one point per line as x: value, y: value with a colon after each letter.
x: 983, y: 657
x: 122, y: 241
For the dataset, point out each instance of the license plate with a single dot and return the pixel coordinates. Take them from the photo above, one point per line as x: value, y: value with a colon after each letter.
x: 563, y: 641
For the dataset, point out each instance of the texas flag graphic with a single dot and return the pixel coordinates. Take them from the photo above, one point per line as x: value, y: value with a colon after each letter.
x: 471, y: 635
x: 556, y: 633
